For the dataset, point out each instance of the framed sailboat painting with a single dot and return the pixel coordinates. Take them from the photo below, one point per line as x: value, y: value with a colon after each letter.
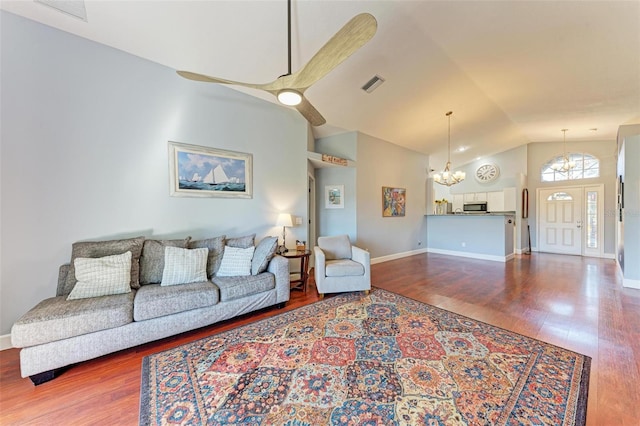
x: 200, y: 171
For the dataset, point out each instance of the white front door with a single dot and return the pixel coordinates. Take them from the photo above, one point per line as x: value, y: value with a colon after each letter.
x: 560, y: 220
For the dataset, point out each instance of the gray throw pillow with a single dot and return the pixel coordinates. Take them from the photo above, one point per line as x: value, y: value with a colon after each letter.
x: 338, y: 247
x: 95, y: 249
x: 216, y: 249
x: 263, y: 254
x: 241, y: 242
x: 152, y: 259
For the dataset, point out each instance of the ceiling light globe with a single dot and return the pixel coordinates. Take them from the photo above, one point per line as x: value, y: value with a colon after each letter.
x: 289, y: 97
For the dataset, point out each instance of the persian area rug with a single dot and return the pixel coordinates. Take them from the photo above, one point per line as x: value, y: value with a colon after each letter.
x: 377, y: 359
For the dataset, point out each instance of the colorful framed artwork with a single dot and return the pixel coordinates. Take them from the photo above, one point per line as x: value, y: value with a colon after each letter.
x: 393, y: 201
x: 199, y: 171
x: 334, y: 196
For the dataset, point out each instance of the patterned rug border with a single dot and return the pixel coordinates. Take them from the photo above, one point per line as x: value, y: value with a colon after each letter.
x: 344, y: 298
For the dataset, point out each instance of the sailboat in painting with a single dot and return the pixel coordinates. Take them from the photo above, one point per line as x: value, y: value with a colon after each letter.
x: 216, y: 176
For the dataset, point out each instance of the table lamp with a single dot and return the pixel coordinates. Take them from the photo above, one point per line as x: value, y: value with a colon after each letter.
x: 284, y: 220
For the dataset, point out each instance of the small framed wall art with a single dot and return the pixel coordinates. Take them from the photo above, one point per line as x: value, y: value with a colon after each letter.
x: 200, y: 171
x: 393, y: 201
x: 334, y: 196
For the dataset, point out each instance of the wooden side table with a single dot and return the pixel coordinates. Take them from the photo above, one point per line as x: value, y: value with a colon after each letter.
x: 303, y: 255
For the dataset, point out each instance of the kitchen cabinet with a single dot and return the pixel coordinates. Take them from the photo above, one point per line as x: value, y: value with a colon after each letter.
x: 510, y: 199
x: 495, y: 201
x: 475, y: 197
x: 457, y: 202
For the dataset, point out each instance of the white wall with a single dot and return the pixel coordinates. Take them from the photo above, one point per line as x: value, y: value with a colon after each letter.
x: 380, y: 163
x: 84, y: 155
x: 628, y: 230
x: 337, y: 221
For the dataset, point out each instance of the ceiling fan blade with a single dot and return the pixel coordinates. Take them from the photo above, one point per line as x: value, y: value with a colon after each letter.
x: 355, y: 34
x: 310, y: 113
x: 205, y: 78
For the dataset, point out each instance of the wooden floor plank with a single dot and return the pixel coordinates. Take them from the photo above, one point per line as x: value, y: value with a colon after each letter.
x: 574, y: 302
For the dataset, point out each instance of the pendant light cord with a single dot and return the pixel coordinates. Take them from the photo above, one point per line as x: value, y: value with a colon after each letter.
x: 289, y: 34
x: 449, y: 138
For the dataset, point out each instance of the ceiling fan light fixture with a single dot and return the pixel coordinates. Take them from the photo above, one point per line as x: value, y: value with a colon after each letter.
x: 289, y: 97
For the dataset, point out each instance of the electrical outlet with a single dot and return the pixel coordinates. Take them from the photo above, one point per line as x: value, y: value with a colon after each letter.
x: 298, y: 220
x: 419, y: 243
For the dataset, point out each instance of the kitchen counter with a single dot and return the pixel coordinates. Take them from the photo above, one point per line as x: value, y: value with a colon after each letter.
x: 488, y: 236
x: 475, y: 214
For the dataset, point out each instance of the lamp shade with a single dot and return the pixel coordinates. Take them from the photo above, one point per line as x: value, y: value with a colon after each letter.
x: 284, y: 219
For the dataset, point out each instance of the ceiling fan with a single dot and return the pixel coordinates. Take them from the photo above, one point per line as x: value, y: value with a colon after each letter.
x: 289, y: 88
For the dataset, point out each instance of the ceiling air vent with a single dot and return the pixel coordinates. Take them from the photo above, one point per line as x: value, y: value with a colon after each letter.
x: 373, y: 84
x: 73, y: 8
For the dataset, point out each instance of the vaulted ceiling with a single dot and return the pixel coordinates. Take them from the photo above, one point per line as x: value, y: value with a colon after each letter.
x: 512, y: 72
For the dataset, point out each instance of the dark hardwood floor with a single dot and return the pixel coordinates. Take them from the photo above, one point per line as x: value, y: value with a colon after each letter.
x: 574, y: 302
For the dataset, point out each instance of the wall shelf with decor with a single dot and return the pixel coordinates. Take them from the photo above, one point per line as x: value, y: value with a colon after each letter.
x: 320, y: 161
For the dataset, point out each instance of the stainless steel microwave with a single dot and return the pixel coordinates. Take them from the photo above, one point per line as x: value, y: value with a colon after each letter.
x: 475, y: 207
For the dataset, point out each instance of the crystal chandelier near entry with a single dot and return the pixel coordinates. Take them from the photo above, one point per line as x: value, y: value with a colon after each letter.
x: 564, y: 165
x: 447, y: 177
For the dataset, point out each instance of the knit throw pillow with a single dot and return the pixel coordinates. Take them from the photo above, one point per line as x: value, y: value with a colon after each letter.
x: 184, y: 266
x: 102, y: 276
x: 236, y: 262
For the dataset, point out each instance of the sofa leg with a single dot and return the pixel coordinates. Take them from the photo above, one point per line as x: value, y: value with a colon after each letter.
x: 43, y: 377
x: 366, y: 292
x: 282, y: 305
x: 321, y: 296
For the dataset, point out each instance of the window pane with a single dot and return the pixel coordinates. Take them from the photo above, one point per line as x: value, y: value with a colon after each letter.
x: 585, y: 166
x: 592, y: 219
x: 559, y: 196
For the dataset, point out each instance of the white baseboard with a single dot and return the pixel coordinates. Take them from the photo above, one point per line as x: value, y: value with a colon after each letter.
x: 397, y: 256
x: 5, y: 342
x: 629, y: 283
x: 472, y: 255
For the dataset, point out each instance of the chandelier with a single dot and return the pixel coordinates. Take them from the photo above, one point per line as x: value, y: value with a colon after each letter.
x: 447, y: 177
x: 564, y: 165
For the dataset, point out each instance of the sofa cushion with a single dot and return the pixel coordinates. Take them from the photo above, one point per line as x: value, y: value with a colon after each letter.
x: 337, y: 247
x: 343, y: 268
x: 57, y: 318
x: 241, y: 242
x: 106, y: 248
x: 184, y: 266
x: 102, y: 276
x: 236, y: 262
x: 232, y: 288
x: 216, y: 248
x: 152, y: 258
x: 263, y: 254
x: 154, y: 300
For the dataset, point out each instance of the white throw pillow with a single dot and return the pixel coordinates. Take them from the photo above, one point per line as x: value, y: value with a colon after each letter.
x: 184, y: 266
x: 236, y: 262
x: 101, y: 276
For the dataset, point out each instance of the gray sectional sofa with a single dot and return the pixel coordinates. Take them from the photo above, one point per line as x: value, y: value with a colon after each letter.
x: 64, y: 330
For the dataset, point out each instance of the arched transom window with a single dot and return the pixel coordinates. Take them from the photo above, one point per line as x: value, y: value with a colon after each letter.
x: 586, y: 166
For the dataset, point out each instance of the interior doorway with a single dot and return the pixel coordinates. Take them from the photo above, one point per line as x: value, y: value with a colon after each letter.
x: 311, y: 224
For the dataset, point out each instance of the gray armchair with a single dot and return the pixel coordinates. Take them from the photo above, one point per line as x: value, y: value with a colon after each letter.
x: 341, y: 267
